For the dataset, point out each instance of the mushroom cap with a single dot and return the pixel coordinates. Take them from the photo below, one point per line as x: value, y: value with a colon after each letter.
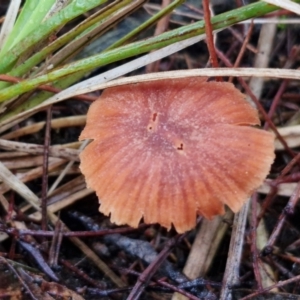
x: 168, y: 150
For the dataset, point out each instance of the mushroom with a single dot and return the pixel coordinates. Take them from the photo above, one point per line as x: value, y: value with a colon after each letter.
x: 169, y: 150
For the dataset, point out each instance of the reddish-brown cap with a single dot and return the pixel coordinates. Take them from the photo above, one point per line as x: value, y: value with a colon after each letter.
x: 168, y: 150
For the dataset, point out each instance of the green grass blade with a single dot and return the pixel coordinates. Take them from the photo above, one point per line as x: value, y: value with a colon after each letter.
x: 9, y: 22
x: 74, y: 9
x: 41, y: 96
x: 32, y: 10
x: 147, y: 24
x: 37, y: 58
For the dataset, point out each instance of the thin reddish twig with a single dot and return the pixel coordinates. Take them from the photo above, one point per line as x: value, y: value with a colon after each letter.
x: 168, y: 285
x: 279, y: 284
x: 240, y: 38
x: 243, y: 49
x: 273, y: 261
x: 146, y: 276
x: 276, y: 100
x: 210, y: 37
x: 273, y: 191
x: 81, y: 274
x: 295, y: 177
x: 288, y: 210
x: 12, y: 249
x: 292, y: 56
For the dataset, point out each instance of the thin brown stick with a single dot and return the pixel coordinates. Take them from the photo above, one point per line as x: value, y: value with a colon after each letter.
x: 288, y: 210
x: 273, y: 191
x: 81, y: 274
x: 276, y: 100
x: 243, y: 49
x: 294, y: 53
x: 146, y: 276
x: 168, y: 285
x: 47, y: 143
x: 210, y: 37
x: 276, y: 285
x: 254, y: 251
x: 240, y: 38
x: 232, y: 271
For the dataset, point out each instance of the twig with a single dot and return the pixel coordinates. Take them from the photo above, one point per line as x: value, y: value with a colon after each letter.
x: 273, y: 191
x: 168, y: 285
x: 276, y: 285
x: 241, y: 39
x: 146, y: 276
x: 288, y: 210
x: 81, y: 273
x: 209, y: 36
x: 254, y: 251
x: 47, y: 143
x: 65, y: 171
x: 36, y: 255
x: 231, y: 276
x: 284, y: 84
x: 242, y: 50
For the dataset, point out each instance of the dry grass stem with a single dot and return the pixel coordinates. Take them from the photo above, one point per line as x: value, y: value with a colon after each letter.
x: 55, y: 124
x: 67, y: 200
x: 35, y: 173
x: 70, y: 187
x: 66, y: 170
x: 232, y: 271
x: 55, y: 151
x: 286, y: 4
x: 265, y: 269
x: 262, y: 57
x: 291, y: 135
x: 23, y: 162
x: 283, y: 189
x: 15, y: 184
